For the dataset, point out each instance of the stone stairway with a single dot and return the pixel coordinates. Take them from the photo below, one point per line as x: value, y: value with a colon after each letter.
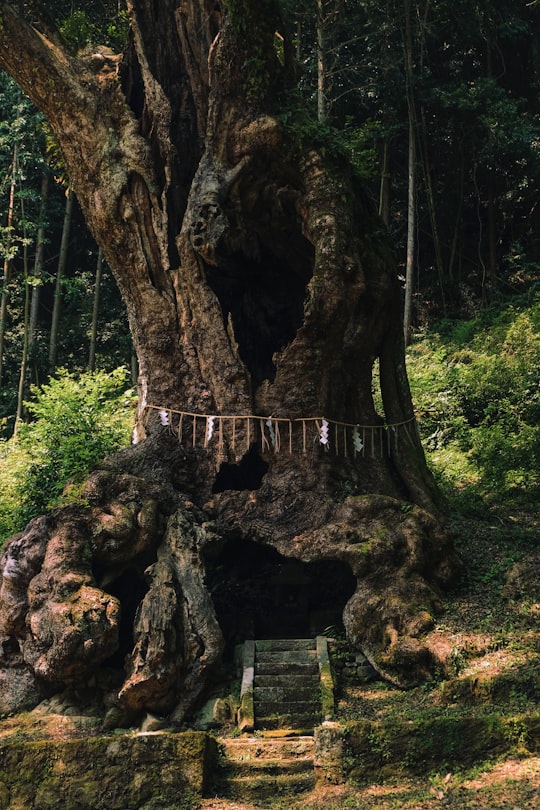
x: 286, y: 685
x: 257, y: 770
x: 287, y: 690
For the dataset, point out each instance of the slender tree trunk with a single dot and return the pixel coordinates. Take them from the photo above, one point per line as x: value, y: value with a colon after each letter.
x: 321, y: 63
x: 459, y: 215
x: 7, y: 260
x: 26, y: 339
x: 95, y: 313
x: 491, y: 232
x: 432, y: 211
x: 490, y: 202
x: 411, y: 174
x: 384, y: 189
x: 38, y: 270
x: 60, y: 272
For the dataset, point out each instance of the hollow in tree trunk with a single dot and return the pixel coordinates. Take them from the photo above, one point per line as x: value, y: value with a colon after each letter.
x: 262, y: 293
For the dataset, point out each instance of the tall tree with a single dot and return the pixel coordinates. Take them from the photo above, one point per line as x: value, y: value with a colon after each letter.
x: 411, y: 164
x: 261, y: 289
x: 95, y: 313
x: 7, y: 250
x: 60, y: 273
x: 32, y: 285
x: 38, y: 264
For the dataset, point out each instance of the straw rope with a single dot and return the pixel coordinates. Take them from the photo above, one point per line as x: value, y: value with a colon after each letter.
x: 342, y: 438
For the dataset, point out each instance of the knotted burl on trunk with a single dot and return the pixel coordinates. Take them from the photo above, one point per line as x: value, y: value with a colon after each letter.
x: 67, y: 585
x: 60, y: 620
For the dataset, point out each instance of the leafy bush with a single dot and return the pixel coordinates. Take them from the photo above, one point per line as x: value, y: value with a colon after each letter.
x: 76, y: 422
x: 477, y: 392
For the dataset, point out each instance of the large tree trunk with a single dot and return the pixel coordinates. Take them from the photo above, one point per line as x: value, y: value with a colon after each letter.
x: 261, y: 290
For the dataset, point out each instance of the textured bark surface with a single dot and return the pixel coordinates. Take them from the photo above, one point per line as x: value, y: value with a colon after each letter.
x: 259, y: 283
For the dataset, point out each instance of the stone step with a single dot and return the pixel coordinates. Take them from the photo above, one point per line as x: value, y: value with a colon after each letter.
x: 243, y: 749
x: 267, y: 707
x: 263, y: 788
x: 286, y: 685
x: 285, y: 694
x: 230, y: 768
x: 281, y: 688
x: 306, y: 722
x: 290, y: 681
x: 276, y: 644
x: 306, y: 657
x: 282, y: 667
x: 257, y: 769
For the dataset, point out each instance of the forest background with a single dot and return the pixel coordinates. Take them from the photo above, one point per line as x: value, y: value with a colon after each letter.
x: 437, y: 104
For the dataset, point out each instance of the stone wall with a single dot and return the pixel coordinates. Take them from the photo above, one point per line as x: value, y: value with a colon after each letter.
x: 139, y: 772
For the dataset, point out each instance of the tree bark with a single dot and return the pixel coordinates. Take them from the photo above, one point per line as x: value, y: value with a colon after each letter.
x: 261, y: 288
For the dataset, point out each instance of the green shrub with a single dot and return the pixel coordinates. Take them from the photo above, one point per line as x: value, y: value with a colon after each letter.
x: 77, y: 420
x: 477, y: 393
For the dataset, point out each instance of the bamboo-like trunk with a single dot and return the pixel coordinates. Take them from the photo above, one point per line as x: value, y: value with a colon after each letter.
x: 26, y: 341
x: 95, y: 313
x: 38, y: 268
x: 411, y: 175
x: 7, y: 260
x: 384, y: 187
x: 321, y: 63
x: 60, y: 273
x: 428, y: 182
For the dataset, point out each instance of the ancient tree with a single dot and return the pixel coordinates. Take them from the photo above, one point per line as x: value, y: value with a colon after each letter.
x: 265, y: 311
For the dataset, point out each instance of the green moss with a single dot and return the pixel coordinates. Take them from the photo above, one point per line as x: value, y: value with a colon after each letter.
x: 420, y: 745
x: 93, y: 774
x: 253, y: 25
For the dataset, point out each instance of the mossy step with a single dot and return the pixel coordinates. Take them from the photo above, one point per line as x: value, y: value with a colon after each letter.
x: 284, y: 667
x: 264, y: 787
x: 288, y: 680
x: 292, y: 707
x: 272, y: 767
x: 242, y: 749
x: 296, y: 721
x: 276, y: 644
x: 307, y: 657
x: 287, y: 694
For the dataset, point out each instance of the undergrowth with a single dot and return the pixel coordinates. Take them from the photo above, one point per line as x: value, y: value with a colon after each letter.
x: 476, y: 389
x: 76, y: 421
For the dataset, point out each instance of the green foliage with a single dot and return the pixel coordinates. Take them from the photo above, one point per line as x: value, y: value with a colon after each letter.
x: 351, y: 142
x: 77, y: 30
x: 476, y: 386
x: 105, y: 26
x: 76, y: 422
